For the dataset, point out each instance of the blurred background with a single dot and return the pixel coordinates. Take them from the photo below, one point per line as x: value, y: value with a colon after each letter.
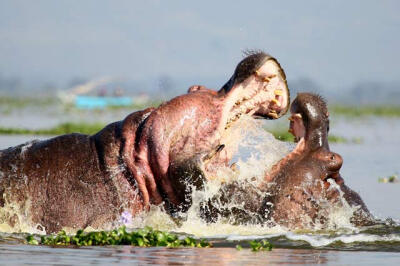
x: 74, y: 66
x: 346, y: 50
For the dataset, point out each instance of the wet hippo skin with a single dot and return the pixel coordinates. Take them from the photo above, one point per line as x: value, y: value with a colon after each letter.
x: 153, y: 156
x: 303, y: 188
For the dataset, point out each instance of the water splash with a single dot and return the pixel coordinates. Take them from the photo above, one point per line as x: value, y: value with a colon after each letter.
x: 257, y: 151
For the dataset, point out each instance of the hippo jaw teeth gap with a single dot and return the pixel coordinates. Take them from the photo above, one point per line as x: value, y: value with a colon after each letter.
x: 265, y: 93
x: 250, y: 101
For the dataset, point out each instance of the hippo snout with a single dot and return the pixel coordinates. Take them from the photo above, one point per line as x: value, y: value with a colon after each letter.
x: 330, y: 160
x: 335, y: 162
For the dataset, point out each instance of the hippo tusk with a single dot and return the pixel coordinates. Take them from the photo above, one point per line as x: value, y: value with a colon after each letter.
x: 264, y: 78
x: 273, y: 114
x: 276, y: 102
x: 297, y: 115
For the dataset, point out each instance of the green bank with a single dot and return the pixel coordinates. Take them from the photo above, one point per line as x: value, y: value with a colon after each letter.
x: 92, y: 128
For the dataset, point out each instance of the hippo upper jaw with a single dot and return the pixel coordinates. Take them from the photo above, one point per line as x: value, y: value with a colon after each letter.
x: 263, y: 94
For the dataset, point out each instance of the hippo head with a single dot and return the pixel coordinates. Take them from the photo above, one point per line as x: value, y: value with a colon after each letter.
x: 257, y: 88
x: 305, y: 186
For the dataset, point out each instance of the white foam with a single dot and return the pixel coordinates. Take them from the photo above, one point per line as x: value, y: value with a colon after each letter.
x: 324, y: 240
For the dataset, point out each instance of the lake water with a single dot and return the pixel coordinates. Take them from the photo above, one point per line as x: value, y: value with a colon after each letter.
x: 376, y: 156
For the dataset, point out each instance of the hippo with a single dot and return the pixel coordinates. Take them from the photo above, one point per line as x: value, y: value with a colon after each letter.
x: 153, y: 156
x: 302, y: 189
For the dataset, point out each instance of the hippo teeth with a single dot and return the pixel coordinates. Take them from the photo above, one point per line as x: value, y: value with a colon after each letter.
x: 248, y: 102
x: 276, y: 102
x: 273, y: 114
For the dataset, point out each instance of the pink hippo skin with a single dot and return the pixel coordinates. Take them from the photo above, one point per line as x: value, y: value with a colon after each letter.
x: 153, y: 156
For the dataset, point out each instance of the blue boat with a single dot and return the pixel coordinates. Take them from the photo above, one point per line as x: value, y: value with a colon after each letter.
x: 101, y: 102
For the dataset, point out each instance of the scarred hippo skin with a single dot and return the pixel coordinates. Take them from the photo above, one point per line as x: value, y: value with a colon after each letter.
x: 153, y: 156
x: 299, y: 191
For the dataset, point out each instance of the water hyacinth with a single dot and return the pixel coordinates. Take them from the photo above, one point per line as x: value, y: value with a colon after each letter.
x: 146, y: 237
x: 262, y: 245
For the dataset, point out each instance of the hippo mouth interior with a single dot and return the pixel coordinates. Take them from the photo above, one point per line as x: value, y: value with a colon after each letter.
x: 334, y: 177
x: 263, y: 95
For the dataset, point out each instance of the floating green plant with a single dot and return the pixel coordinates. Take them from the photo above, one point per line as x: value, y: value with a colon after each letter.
x: 92, y: 128
x: 284, y: 135
x: 64, y: 128
x: 262, y: 245
x: 389, y: 179
x: 22, y: 102
x: 146, y: 237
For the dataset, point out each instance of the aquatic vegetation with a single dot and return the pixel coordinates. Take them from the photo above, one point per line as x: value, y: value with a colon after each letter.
x: 284, y: 135
x: 92, y: 128
x: 22, y: 102
x: 366, y: 110
x: 262, y: 245
x: 389, y: 179
x: 64, y: 128
x: 8, y: 104
x: 146, y: 237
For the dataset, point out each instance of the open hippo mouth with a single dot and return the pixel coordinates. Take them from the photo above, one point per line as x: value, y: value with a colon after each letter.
x: 203, y: 145
x: 258, y: 88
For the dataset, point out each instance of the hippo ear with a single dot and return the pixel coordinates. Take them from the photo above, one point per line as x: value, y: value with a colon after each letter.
x: 196, y: 88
